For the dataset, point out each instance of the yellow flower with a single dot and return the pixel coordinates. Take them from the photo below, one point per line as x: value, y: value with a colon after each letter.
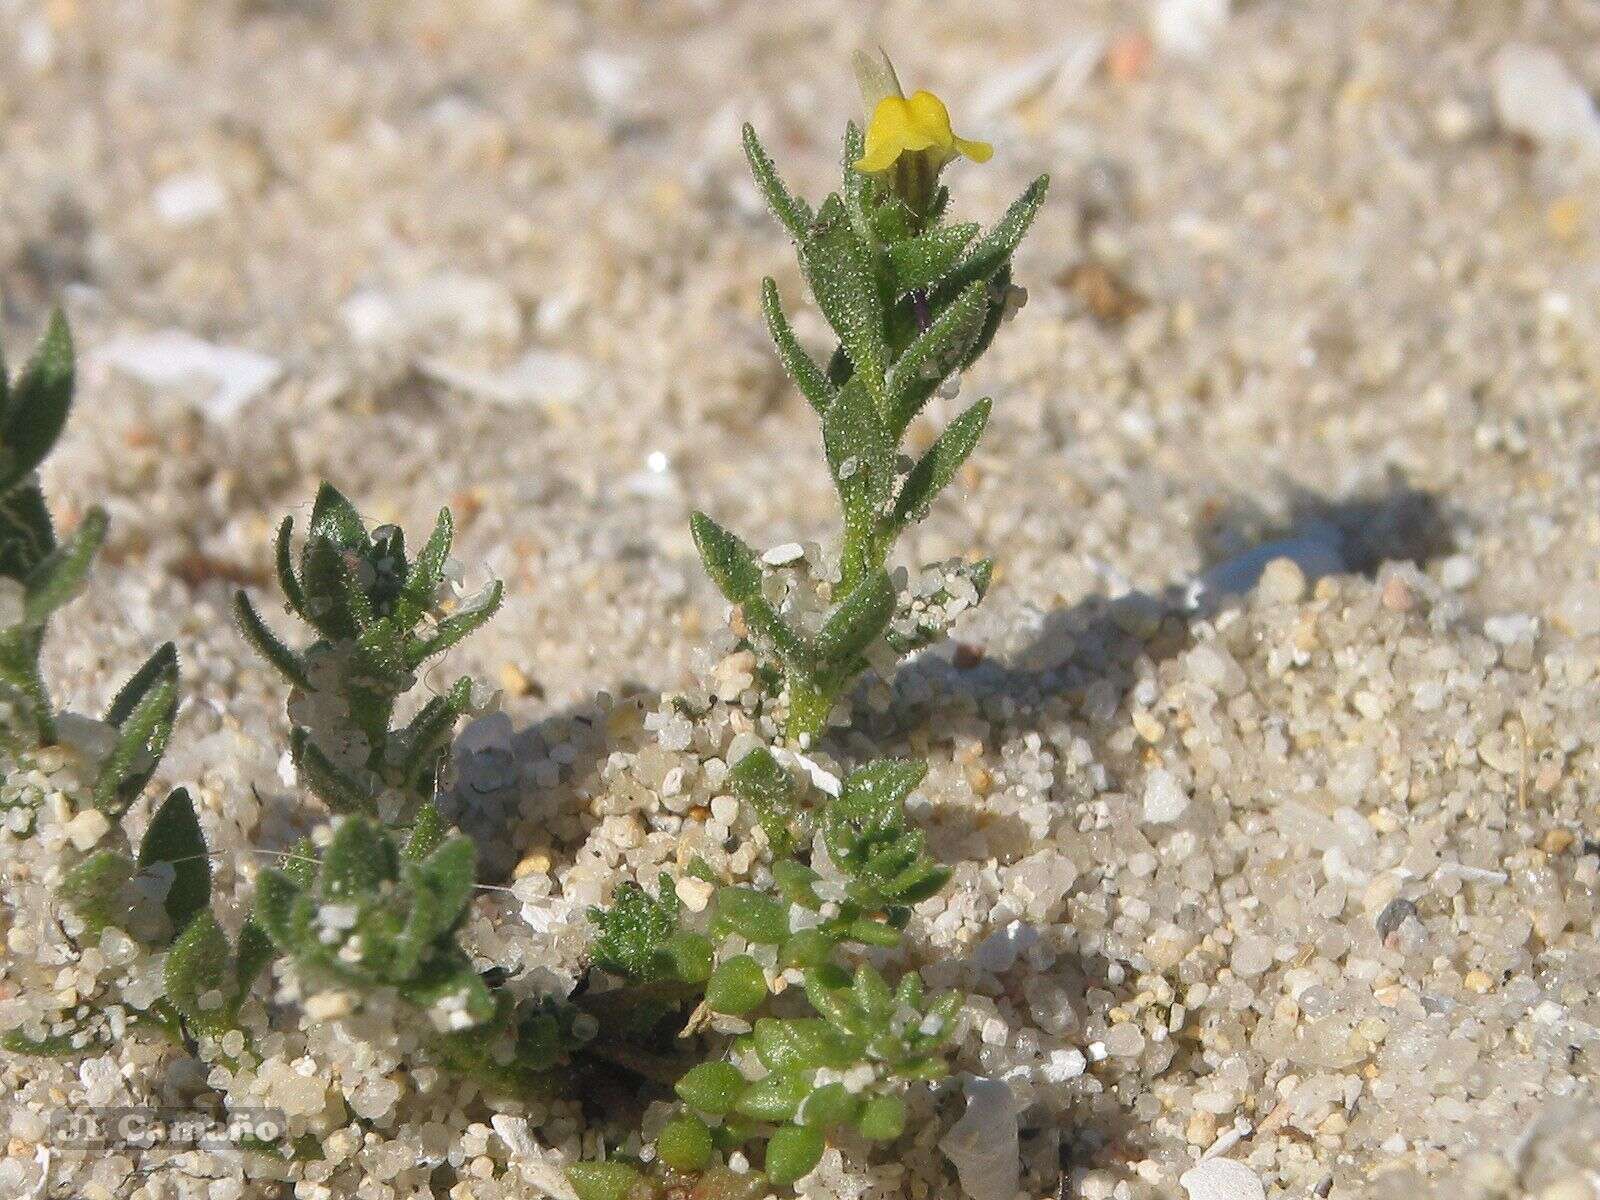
x: 920, y: 125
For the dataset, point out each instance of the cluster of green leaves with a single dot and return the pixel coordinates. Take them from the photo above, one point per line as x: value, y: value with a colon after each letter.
x: 914, y: 300
x: 207, y: 979
x: 839, y: 1059
x: 378, y: 616
x: 372, y: 914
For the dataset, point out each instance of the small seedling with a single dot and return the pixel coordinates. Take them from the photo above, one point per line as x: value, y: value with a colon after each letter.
x: 378, y: 616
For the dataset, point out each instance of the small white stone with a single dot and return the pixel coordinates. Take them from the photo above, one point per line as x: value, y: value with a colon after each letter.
x: 1537, y: 96
x: 1222, y: 1179
x: 1510, y: 629
x: 174, y: 358
x: 695, y: 893
x: 328, y: 1006
x: 1164, y: 798
x: 88, y: 827
x: 189, y: 198
x: 781, y: 555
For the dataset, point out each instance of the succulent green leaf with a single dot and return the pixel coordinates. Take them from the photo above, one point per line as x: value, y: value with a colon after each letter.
x: 939, y: 464
x: 255, y: 952
x: 829, y: 1106
x: 882, y: 1119
x: 173, y: 836
x: 776, y: 1097
x: 803, y: 1044
x: 689, y: 957
x: 754, y: 916
x: 737, y: 986
x: 794, y: 213
x: 712, y: 1087
x: 800, y: 366
x: 684, y: 1144
x: 793, y: 1152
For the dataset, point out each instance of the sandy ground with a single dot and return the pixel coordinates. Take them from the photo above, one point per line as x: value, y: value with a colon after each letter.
x: 1300, y: 286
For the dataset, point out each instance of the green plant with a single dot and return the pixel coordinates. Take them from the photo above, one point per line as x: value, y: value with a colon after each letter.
x: 379, y: 616
x: 39, y: 574
x: 163, y: 898
x: 914, y: 300
x: 372, y: 915
x: 831, y: 1055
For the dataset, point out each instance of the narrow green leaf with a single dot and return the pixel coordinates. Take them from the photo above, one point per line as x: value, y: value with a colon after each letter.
x: 427, y: 573
x: 266, y: 643
x: 731, y: 564
x: 142, y: 737
x: 427, y: 834
x: 276, y: 894
x: 934, y: 354
x: 287, y: 579
x: 163, y: 664
x: 36, y: 409
x: 327, y: 576
x: 440, y: 887
x: 938, y: 466
x: 838, y: 268
x: 994, y: 249
x: 331, y: 785
x: 255, y: 952
x: 857, y: 622
x: 457, y: 625
x: 924, y: 260
x: 799, y: 365
x: 59, y: 577
x: 174, y: 837
x: 794, y: 213
x: 360, y: 858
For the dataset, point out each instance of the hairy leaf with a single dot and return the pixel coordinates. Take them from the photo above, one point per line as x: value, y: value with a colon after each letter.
x: 174, y: 837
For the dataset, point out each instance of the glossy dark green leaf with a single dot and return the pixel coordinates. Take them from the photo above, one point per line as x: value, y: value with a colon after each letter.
x: 36, y: 408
